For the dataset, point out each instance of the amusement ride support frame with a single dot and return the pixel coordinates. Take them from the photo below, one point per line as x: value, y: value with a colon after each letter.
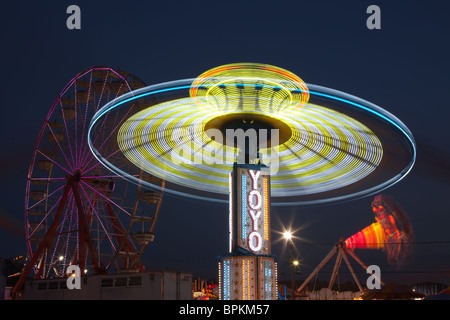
x: 84, y: 239
x: 342, y: 252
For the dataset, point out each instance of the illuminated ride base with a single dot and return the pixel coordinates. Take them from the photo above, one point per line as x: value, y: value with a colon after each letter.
x: 249, y: 272
x: 316, y: 145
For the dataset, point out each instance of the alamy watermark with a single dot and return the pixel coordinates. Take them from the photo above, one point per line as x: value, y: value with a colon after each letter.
x: 374, y: 20
x: 374, y: 280
x: 250, y: 143
x: 74, y: 20
x: 73, y: 281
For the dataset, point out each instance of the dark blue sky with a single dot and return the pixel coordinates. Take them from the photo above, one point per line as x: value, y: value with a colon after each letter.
x: 404, y: 68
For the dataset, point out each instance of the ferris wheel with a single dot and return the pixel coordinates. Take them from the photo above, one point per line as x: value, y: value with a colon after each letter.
x: 76, y: 211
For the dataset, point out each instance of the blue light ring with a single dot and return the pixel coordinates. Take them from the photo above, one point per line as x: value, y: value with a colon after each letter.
x: 160, y: 88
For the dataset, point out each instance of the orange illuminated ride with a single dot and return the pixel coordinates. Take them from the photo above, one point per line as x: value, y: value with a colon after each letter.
x: 392, y: 233
x: 76, y: 211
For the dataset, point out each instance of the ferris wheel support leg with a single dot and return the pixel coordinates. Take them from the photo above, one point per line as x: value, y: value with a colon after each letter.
x: 319, y: 267
x: 118, y: 230
x: 85, y: 236
x: 45, y: 242
x: 40, y: 265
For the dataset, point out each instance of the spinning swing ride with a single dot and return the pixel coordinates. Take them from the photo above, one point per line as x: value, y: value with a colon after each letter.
x: 325, y: 146
x: 111, y: 146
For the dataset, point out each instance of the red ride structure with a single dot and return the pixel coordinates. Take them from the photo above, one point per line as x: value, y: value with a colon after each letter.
x: 76, y: 211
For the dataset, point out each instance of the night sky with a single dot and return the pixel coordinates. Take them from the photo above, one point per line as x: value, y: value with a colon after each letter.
x: 404, y: 68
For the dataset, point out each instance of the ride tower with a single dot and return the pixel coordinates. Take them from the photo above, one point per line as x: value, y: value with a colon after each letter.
x: 331, y: 147
x: 249, y: 271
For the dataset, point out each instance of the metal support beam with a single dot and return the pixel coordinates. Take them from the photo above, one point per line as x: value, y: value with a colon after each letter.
x: 123, y: 240
x: 337, y: 264
x: 45, y: 243
x: 357, y: 259
x: 84, y: 234
x: 343, y: 251
x: 319, y: 267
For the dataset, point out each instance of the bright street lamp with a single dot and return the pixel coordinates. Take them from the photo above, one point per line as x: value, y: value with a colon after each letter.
x: 288, y: 236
